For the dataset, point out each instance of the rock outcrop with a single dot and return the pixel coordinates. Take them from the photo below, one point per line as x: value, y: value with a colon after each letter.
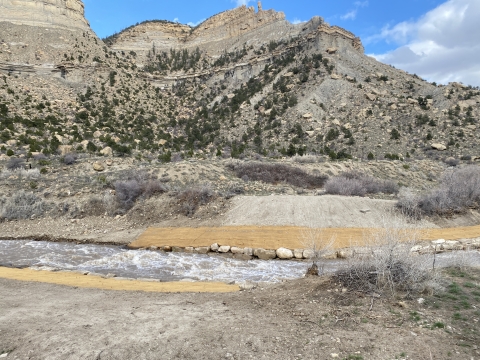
x: 65, y: 14
x: 224, y: 32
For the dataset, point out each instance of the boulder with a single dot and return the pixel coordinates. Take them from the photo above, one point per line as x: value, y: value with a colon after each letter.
x: 308, y: 254
x: 285, y: 254
x: 345, y: 253
x: 98, y: 166
x: 230, y: 96
x: 109, y: 162
x: 214, y: 247
x: 330, y: 255
x: 202, y: 250
x: 298, y: 253
x: 371, y: 97
x: 236, y: 250
x: 59, y: 138
x: 332, y: 50
x: 107, y: 151
x: 224, y: 249
x: 439, y: 147
x: 263, y: 254
x: 288, y: 74
x: 248, y: 251
x: 452, y: 245
x: 307, y: 116
x: 64, y: 149
x: 335, y: 77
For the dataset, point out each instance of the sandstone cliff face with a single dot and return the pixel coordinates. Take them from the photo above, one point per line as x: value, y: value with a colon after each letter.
x: 67, y: 14
x: 224, y: 32
x: 234, y: 23
x: 163, y: 36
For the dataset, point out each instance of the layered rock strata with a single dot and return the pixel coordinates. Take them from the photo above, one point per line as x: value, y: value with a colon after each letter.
x: 221, y: 33
x: 67, y: 14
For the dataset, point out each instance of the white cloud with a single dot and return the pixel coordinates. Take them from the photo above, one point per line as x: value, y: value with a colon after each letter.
x: 175, y: 20
x: 352, y: 14
x: 193, y: 24
x: 298, y: 21
x: 441, y: 46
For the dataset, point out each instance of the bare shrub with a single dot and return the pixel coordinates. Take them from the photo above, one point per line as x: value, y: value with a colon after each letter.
x: 314, y: 240
x: 305, y: 159
x: 153, y: 187
x: 128, y: 192
x: 277, y: 173
x: 69, y: 159
x: 134, y: 186
x: 386, y: 266
x: 408, y: 203
x: 233, y: 191
x: 30, y: 174
x: 94, y: 206
x: 355, y: 183
x: 191, y: 199
x: 458, y: 191
x: 15, y: 164
x: 452, y: 161
x: 98, y: 205
x: 22, y: 205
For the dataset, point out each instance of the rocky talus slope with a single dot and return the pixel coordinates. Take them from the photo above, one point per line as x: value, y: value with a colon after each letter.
x: 243, y: 82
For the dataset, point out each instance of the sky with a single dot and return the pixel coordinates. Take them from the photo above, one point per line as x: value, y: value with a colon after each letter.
x: 436, y: 39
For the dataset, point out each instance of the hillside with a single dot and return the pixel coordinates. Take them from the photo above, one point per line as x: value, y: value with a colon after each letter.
x: 242, y: 82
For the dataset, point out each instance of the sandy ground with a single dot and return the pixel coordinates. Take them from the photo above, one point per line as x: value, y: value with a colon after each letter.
x: 304, y: 319
x: 274, y: 237
x: 97, y: 282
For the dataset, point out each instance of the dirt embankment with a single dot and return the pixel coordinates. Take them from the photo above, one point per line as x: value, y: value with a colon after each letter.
x: 304, y: 319
x: 353, y: 214
x: 97, y: 282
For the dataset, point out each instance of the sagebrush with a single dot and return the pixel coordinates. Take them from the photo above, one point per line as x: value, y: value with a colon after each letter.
x: 356, y: 183
x: 459, y: 190
x: 22, y: 205
x: 277, y: 173
x: 190, y: 199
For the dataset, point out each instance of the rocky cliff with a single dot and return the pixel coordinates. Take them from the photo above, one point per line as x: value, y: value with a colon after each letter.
x: 66, y: 14
x: 224, y: 32
x: 256, y: 84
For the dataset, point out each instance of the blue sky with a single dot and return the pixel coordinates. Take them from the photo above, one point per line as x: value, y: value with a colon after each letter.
x: 406, y: 33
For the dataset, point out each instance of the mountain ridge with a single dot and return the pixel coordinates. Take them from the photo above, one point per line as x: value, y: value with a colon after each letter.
x: 241, y: 83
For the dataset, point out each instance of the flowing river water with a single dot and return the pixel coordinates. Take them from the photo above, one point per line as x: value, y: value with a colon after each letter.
x: 123, y: 262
